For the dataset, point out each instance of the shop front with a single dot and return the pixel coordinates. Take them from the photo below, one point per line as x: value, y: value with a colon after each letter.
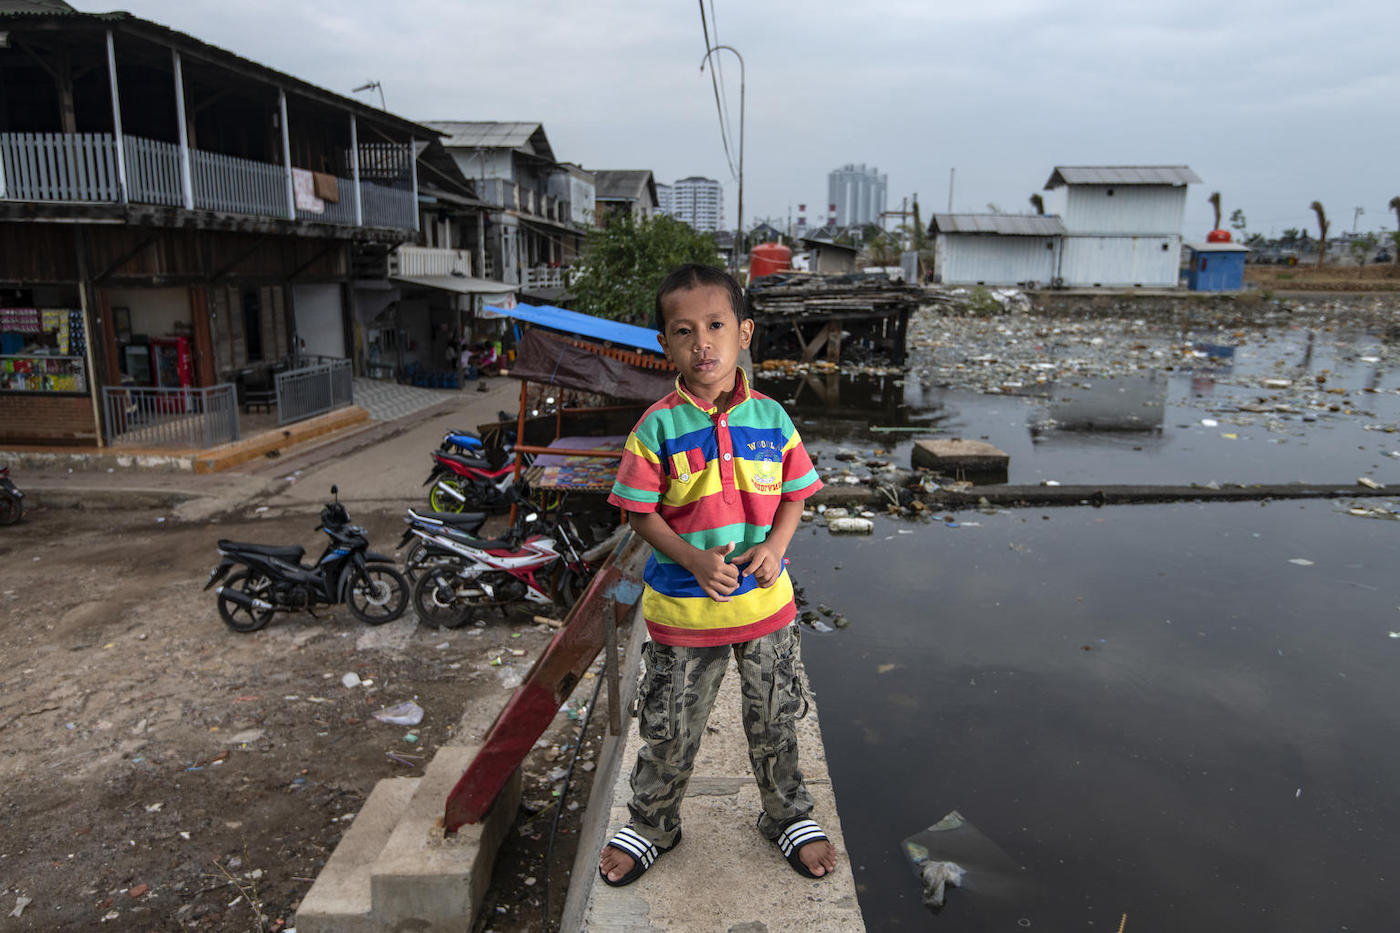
x: 45, y: 379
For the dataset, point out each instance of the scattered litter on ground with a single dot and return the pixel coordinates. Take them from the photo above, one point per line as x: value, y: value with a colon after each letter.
x: 406, y: 713
x: 1369, y: 483
x: 351, y: 679
x: 20, y: 904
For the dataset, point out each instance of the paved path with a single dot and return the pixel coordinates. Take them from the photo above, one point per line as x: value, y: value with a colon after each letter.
x: 387, y: 401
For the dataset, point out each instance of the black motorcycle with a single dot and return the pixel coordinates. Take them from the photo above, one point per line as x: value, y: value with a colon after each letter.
x: 11, y: 499
x: 275, y: 580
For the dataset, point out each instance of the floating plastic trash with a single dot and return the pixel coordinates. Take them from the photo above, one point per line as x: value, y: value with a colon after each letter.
x: 850, y: 526
x: 953, y: 852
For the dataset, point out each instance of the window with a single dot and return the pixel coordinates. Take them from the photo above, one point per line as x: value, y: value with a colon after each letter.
x: 252, y: 326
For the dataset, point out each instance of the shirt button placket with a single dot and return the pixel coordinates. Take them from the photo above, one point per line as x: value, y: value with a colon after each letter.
x: 726, y: 461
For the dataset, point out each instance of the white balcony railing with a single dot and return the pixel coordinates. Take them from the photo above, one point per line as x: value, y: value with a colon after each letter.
x: 509, y: 195
x: 82, y: 167
x: 423, y: 260
x: 545, y: 277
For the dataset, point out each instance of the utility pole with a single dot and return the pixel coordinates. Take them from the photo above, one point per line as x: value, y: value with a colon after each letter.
x: 952, y: 173
x: 1356, y: 215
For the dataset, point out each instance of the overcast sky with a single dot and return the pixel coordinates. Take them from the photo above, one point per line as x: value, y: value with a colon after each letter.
x: 1274, y: 104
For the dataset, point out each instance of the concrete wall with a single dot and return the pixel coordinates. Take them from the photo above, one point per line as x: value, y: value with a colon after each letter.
x: 995, y: 260
x: 319, y: 319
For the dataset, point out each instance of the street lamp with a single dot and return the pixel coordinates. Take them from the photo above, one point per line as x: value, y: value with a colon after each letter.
x: 372, y: 86
x: 739, y: 223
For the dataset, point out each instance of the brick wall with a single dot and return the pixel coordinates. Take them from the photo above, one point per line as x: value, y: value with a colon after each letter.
x: 46, y: 419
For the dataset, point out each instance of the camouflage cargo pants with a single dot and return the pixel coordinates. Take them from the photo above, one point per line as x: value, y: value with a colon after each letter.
x: 677, y: 691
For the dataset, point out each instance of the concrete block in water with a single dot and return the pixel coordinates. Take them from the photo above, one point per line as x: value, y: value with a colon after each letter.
x: 955, y: 455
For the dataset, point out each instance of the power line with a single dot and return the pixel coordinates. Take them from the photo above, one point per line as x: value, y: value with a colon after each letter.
x: 714, y: 82
x: 718, y: 64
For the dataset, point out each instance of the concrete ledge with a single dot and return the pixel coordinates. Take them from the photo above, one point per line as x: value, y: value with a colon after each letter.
x: 402, y: 872
x: 184, y: 460
x: 724, y: 875
x: 217, y: 459
x: 339, y: 901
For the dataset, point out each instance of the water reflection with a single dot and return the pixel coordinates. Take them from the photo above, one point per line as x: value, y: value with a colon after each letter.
x: 1150, y: 709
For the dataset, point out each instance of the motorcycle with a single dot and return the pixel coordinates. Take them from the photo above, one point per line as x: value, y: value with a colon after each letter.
x: 11, y: 499
x: 464, y: 482
x: 275, y: 580
x: 419, y: 555
x: 539, y: 562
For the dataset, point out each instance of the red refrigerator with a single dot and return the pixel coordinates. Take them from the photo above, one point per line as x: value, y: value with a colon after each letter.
x: 171, y: 366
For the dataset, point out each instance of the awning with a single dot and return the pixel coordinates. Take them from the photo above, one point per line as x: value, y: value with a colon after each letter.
x: 552, y: 360
x: 583, y: 325
x: 495, y: 292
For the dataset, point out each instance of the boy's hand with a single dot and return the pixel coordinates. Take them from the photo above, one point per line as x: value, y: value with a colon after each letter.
x: 764, y: 561
x: 716, y: 577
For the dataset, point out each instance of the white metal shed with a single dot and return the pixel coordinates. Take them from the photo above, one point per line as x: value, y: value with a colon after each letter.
x: 997, y: 249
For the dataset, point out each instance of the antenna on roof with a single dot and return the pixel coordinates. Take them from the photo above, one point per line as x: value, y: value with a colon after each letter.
x: 372, y: 86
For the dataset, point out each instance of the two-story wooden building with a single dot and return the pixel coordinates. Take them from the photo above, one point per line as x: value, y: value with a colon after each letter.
x: 174, y: 218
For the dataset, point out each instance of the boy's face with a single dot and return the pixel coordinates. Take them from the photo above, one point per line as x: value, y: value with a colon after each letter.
x: 702, y: 338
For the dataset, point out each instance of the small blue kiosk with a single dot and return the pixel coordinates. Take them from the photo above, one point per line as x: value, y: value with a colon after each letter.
x: 1216, y: 267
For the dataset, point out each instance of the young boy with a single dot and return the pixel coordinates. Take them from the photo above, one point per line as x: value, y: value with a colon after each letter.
x: 712, y: 478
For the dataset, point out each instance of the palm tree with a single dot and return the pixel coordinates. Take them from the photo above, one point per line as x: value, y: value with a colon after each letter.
x: 1322, y: 225
x: 1395, y: 206
x: 1214, y: 200
x: 1038, y: 203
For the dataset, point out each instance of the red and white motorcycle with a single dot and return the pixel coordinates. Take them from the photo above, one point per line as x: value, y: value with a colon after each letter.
x: 539, y: 562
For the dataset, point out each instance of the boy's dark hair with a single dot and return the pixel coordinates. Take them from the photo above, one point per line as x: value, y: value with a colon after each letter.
x: 695, y: 275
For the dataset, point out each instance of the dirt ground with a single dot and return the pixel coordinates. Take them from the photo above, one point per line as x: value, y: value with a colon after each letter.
x: 1308, y: 277
x: 164, y: 773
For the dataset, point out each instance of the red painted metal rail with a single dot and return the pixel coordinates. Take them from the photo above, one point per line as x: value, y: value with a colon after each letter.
x: 614, y: 590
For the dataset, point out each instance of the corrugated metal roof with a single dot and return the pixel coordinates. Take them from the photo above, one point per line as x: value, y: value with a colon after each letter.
x: 1121, y: 175
x: 462, y: 285
x: 35, y: 6
x: 622, y: 183
x: 491, y: 134
x: 1003, y: 224
x: 15, y: 14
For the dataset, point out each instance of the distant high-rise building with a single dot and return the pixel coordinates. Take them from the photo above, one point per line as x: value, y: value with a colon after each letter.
x: 699, y: 202
x: 857, y: 194
x: 663, y: 198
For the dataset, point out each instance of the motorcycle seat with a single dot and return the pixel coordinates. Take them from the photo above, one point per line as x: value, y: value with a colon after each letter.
x: 467, y: 521
x: 494, y: 544
x: 292, y: 553
x: 472, y: 463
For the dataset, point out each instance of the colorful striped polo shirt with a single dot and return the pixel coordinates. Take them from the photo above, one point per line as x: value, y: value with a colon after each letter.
x: 714, y: 476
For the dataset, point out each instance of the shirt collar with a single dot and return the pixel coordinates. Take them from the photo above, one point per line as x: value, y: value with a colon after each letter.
x: 740, y: 394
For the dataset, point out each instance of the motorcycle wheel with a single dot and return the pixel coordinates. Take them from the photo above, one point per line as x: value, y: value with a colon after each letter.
x: 436, y: 602
x: 377, y: 594
x: 418, y: 559
x: 242, y: 618
x: 11, y: 509
x: 569, y: 586
x: 442, y: 502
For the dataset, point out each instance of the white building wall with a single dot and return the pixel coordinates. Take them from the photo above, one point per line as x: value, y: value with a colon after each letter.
x: 1131, y: 209
x: 484, y: 163
x: 1121, y: 261
x: 317, y: 311
x: 995, y: 260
